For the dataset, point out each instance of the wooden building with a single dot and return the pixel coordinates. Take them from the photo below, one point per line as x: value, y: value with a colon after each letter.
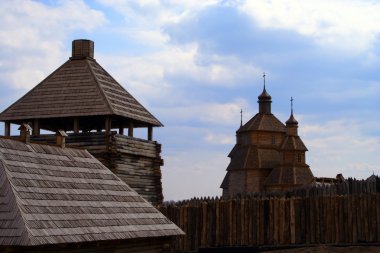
x: 268, y: 155
x: 57, y: 199
x: 83, y: 99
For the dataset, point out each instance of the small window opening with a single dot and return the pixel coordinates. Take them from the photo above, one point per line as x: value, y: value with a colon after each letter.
x: 299, y: 158
x: 273, y: 139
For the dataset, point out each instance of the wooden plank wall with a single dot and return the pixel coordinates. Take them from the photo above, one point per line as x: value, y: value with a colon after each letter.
x: 137, y: 162
x: 320, y: 216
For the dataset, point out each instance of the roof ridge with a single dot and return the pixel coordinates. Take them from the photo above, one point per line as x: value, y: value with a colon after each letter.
x: 25, y: 239
x: 99, y: 86
x: 116, y: 82
x: 35, y: 87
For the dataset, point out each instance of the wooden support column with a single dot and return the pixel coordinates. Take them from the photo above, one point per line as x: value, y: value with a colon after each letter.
x: 76, y: 125
x: 121, y: 130
x: 108, y: 124
x: 150, y: 133
x: 7, y: 128
x: 130, y: 129
x: 36, y: 127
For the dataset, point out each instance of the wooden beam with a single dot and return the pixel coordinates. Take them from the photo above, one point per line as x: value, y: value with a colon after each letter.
x: 150, y: 133
x: 7, y: 128
x: 130, y: 129
x: 121, y: 130
x: 36, y: 127
x: 76, y: 125
x: 108, y: 124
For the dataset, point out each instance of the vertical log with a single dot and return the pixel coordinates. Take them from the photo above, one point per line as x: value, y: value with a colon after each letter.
x: 292, y: 221
x: 281, y: 217
x: 217, y: 223
x: 317, y: 221
x: 273, y: 226
x: 150, y: 133
x: 348, y: 207
x: 354, y: 218
x: 130, y: 129
x: 365, y: 218
x: 243, y: 223
x: 204, y: 224
x: 36, y: 127
x: 76, y: 125
x: 7, y: 128
x: 312, y: 220
x: 121, y: 129
x: 307, y: 217
x: 378, y: 217
x: 261, y: 219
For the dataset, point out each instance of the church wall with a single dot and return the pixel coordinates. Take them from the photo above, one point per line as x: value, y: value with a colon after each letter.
x: 289, y: 157
x: 235, y: 184
x: 255, y: 179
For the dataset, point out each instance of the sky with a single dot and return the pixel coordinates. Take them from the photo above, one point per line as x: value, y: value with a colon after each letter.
x: 196, y: 64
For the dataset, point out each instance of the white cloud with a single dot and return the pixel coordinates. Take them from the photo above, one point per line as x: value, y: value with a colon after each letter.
x: 148, y: 17
x: 193, y: 173
x: 220, y: 139
x: 341, y: 146
x: 172, y: 69
x: 221, y: 114
x: 350, y: 24
x: 32, y: 37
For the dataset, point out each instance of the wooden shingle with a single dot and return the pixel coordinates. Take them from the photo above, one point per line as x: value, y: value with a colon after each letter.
x: 79, y: 88
x: 51, y: 195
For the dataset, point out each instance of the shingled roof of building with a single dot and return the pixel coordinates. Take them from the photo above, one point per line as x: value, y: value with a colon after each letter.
x: 289, y: 175
x: 263, y: 122
x: 80, y: 87
x: 293, y: 143
x: 51, y: 195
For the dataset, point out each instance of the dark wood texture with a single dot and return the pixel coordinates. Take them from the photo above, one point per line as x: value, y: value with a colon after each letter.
x: 346, y: 213
x: 50, y: 195
x: 268, y: 156
x: 152, y: 245
x: 137, y: 162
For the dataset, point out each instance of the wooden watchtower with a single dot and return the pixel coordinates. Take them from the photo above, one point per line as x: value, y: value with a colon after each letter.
x: 81, y: 98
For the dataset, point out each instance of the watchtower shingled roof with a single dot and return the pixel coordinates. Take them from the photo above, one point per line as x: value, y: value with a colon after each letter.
x: 79, y: 88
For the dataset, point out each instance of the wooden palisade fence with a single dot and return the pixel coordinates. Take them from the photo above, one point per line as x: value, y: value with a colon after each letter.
x: 346, y: 213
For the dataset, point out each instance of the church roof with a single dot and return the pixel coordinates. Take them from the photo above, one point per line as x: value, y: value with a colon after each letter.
x: 291, y: 120
x: 289, y: 175
x: 51, y: 195
x: 264, y: 95
x: 293, y: 143
x: 80, y: 87
x: 243, y: 157
x: 263, y: 122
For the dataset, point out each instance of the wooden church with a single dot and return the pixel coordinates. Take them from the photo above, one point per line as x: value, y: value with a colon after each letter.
x: 268, y: 155
x: 83, y: 99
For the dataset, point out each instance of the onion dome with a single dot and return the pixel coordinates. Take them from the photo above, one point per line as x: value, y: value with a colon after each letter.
x: 291, y: 120
x: 264, y: 101
x: 264, y: 96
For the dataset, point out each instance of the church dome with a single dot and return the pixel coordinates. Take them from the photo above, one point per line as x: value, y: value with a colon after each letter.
x: 264, y: 96
x: 291, y: 120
